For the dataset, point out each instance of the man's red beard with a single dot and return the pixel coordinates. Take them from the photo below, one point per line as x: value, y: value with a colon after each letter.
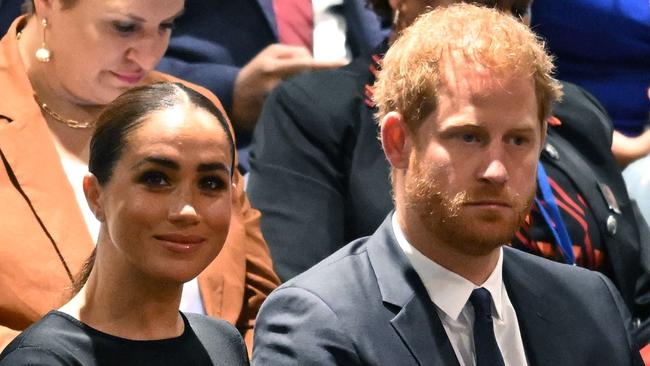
x: 448, y: 220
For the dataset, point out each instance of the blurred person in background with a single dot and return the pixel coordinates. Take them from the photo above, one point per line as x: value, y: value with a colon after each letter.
x: 603, y: 46
x: 240, y: 50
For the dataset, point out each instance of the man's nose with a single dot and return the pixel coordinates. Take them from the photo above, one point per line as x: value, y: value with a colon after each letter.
x: 494, y: 170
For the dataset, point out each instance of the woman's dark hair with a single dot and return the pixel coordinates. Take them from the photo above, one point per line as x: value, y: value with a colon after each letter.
x: 124, y: 115
x: 128, y: 111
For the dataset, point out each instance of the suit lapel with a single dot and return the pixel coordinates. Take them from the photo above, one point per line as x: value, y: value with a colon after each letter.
x: 540, y: 327
x: 27, y: 147
x: 416, y: 321
x: 267, y: 8
x: 422, y: 332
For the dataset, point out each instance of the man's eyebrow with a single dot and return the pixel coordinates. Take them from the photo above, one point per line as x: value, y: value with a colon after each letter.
x: 523, y: 129
x: 454, y: 125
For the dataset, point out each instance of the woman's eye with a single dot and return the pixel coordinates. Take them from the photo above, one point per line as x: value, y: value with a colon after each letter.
x: 124, y: 28
x: 154, y: 179
x: 211, y: 183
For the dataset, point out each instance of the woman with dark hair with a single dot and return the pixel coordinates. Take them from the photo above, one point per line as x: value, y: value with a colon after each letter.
x: 160, y: 183
x: 59, y: 66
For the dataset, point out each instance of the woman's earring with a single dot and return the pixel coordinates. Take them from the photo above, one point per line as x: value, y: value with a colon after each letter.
x: 43, y: 54
x: 395, y: 18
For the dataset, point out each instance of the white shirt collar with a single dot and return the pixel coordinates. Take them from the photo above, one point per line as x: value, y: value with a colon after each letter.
x: 448, y: 290
x: 321, y: 5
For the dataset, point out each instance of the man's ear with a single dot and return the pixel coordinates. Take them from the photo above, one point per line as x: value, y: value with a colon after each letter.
x: 543, y: 139
x: 395, y: 140
x: 93, y: 193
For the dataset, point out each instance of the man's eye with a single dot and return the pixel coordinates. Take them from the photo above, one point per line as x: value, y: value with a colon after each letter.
x: 211, y: 183
x: 518, y: 140
x: 469, y: 137
x: 154, y: 179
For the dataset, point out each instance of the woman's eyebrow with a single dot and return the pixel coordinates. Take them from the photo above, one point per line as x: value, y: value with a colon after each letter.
x: 171, y: 164
x: 167, y: 163
x: 212, y: 166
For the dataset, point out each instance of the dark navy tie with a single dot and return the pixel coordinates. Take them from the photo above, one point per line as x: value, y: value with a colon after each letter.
x: 485, y: 344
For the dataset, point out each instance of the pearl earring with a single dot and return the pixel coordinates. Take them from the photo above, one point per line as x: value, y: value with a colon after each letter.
x: 43, y: 54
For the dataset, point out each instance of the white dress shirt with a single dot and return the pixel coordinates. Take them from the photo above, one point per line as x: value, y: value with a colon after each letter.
x: 329, y: 32
x: 450, y: 293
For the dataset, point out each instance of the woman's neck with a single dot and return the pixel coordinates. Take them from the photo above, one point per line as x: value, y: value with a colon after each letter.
x: 127, y: 304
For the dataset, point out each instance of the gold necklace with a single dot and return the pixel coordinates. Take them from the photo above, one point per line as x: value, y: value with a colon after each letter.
x: 68, y: 122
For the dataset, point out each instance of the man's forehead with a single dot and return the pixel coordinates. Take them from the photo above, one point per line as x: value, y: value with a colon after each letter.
x: 472, y: 78
x: 475, y: 86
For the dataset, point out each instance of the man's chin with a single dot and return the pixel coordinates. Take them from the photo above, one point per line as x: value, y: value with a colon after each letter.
x: 478, y: 237
x: 482, y: 244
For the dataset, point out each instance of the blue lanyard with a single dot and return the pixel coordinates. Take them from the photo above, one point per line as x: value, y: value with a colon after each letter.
x: 552, y: 216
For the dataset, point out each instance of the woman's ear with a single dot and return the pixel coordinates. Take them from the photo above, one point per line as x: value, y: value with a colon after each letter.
x: 93, y: 193
x: 43, y: 8
x: 395, y: 140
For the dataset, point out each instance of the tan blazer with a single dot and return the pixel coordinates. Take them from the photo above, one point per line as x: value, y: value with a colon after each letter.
x: 42, y: 229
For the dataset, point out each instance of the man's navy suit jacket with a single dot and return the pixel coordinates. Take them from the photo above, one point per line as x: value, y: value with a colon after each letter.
x: 215, y: 38
x: 365, y: 305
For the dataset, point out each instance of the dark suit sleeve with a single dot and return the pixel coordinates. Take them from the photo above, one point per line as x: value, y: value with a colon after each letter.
x: 642, y: 284
x: 642, y: 294
x: 295, y: 327
x: 297, y: 176
x: 626, y: 319
x: 220, y: 339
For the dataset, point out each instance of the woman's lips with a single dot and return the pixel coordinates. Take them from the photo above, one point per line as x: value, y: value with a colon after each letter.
x: 129, y: 78
x: 180, y: 243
